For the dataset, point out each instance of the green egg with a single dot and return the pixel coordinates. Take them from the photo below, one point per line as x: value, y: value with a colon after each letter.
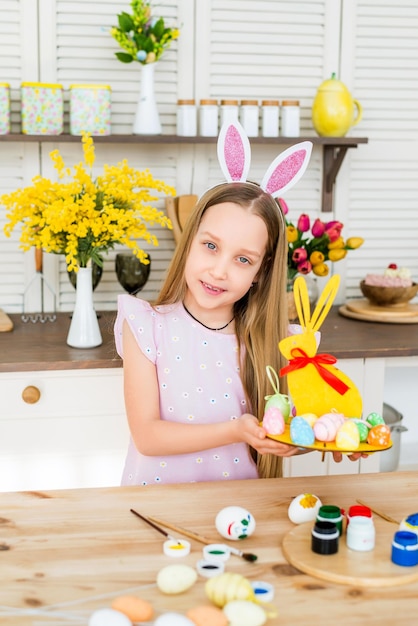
x: 362, y: 430
x: 374, y: 419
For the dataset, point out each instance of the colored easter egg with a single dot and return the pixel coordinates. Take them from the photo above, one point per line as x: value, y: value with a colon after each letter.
x: 379, y: 436
x: 304, y: 508
x: 234, y: 522
x: 227, y: 587
x: 310, y: 418
x: 279, y: 401
x: 176, y: 578
x: 363, y: 429
x: 136, y: 609
x: 207, y: 616
x: 325, y: 428
x: 245, y: 613
x: 109, y: 617
x: 374, y: 419
x: 348, y: 437
x: 301, y: 433
x: 273, y: 421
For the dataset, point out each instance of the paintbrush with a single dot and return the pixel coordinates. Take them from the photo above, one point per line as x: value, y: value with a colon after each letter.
x: 151, y: 523
x: 192, y: 535
x: 379, y: 513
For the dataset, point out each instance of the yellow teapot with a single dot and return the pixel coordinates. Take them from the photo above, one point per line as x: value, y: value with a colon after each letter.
x: 333, y: 109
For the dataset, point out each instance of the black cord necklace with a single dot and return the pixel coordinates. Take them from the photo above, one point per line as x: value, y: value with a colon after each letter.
x: 204, y: 325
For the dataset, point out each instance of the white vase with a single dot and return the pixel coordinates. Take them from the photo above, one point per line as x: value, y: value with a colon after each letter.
x: 147, y: 120
x: 84, y: 328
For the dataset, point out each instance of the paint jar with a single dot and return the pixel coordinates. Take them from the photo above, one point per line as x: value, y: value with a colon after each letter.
x: 176, y: 549
x: 405, y: 548
x: 90, y: 109
x: 358, y: 510
x: 290, y: 118
x: 249, y: 117
x: 325, y: 538
x: 186, y: 118
x: 264, y: 592
x: 216, y: 552
x: 331, y: 513
x: 229, y: 111
x: 208, y: 118
x: 270, y: 118
x: 42, y: 109
x: 361, y: 534
x: 4, y: 108
x: 209, y: 569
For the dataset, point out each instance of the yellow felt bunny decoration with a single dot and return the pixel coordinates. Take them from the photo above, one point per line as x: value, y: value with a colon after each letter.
x: 315, y: 384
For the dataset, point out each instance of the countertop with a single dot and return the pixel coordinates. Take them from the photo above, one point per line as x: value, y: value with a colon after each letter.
x: 42, y: 346
x: 67, y: 553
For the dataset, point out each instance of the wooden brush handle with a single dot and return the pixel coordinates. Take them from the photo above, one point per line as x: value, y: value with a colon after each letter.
x: 181, y: 530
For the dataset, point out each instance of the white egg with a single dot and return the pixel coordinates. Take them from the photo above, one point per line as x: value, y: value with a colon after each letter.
x: 176, y: 578
x: 173, y: 619
x: 244, y: 613
x: 109, y: 617
x: 304, y: 508
x: 234, y: 522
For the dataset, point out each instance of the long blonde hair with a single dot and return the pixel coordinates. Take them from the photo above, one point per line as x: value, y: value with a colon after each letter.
x: 261, y: 319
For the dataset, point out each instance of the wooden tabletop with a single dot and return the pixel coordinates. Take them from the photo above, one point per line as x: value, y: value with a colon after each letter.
x: 65, y: 553
x: 42, y: 346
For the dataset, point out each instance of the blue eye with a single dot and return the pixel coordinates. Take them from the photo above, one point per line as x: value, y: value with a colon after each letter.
x: 243, y: 259
x: 210, y: 245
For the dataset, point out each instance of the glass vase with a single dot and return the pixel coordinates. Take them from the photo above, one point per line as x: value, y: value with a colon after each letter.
x: 84, y: 328
x: 131, y: 273
x: 147, y: 119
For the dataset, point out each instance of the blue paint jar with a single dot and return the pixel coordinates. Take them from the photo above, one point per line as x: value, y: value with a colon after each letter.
x: 405, y: 548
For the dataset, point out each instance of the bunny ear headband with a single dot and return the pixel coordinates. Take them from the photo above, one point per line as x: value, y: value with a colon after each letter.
x: 234, y: 155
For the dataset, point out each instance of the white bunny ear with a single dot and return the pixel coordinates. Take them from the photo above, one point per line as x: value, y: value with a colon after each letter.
x: 287, y: 169
x: 234, y: 152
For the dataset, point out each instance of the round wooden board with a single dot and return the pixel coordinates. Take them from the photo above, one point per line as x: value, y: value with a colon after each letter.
x: 327, y: 446
x: 348, y: 567
x: 367, y: 313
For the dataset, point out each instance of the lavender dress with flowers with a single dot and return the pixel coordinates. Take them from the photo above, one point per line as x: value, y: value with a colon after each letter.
x: 199, y: 383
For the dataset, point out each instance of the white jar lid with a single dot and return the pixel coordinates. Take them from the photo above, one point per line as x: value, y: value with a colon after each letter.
x: 216, y: 552
x: 264, y: 592
x: 208, y: 569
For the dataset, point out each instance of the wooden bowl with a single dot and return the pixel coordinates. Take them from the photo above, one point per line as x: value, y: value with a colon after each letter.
x: 388, y: 296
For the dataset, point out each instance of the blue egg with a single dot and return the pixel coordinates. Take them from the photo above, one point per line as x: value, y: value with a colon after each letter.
x: 141, y: 55
x: 301, y: 433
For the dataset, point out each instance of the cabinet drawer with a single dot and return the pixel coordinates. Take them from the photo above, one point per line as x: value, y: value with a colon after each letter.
x: 62, y: 393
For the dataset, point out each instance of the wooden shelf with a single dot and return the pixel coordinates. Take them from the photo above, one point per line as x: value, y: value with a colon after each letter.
x: 334, y: 149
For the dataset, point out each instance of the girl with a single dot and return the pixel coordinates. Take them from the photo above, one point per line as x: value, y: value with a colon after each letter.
x: 195, y: 362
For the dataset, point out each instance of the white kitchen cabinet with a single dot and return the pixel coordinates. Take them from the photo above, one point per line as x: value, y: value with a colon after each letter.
x: 74, y: 435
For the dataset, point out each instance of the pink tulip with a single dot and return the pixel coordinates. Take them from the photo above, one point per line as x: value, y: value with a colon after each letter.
x: 305, y: 267
x: 299, y: 255
x: 283, y: 205
x: 333, y: 230
x: 318, y: 228
x: 304, y: 223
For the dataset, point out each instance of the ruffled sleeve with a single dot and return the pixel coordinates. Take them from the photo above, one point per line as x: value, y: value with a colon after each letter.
x: 141, y: 318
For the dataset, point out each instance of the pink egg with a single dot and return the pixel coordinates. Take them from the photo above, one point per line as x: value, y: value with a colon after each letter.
x: 273, y: 421
x: 325, y: 429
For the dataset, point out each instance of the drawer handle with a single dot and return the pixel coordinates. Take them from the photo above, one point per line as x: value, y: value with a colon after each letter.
x: 31, y: 394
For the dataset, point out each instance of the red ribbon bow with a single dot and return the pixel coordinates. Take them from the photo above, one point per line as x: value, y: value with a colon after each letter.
x: 301, y: 359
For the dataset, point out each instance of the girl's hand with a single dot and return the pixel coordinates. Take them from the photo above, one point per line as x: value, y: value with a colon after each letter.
x: 256, y: 436
x: 356, y: 456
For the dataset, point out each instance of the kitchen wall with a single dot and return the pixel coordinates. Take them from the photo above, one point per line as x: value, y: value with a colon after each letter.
x: 271, y: 48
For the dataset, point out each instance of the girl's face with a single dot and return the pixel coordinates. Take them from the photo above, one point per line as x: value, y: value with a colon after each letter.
x: 225, y: 258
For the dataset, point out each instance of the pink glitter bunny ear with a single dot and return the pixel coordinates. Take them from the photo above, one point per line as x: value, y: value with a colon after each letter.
x: 234, y: 152
x: 287, y: 169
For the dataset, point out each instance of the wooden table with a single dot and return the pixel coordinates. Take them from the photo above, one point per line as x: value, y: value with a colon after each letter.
x: 66, y: 553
